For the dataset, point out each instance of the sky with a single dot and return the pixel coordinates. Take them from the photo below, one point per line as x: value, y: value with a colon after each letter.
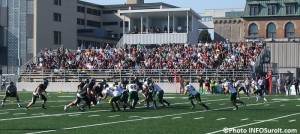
x: 197, y: 5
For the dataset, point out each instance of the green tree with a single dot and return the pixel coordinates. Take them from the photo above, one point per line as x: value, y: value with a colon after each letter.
x: 204, y: 36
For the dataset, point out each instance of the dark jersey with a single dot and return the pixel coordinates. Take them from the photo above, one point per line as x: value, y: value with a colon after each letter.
x: 125, y: 83
x: 82, y: 89
x: 42, y: 87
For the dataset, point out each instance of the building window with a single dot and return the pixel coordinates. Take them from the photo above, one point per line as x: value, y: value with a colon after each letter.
x: 121, y: 23
x: 93, y: 12
x: 93, y: 23
x: 253, y: 30
x: 57, y: 17
x: 110, y: 23
x: 109, y: 11
x: 57, y: 37
x: 289, y: 30
x: 271, y: 30
x: 290, y: 9
x: 254, y: 10
x: 272, y: 9
x: 80, y: 21
x: 57, y: 2
x: 80, y: 9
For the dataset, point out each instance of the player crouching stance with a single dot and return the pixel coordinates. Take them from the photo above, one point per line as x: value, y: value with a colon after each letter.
x: 193, y: 94
x: 82, y: 90
x: 233, y: 94
x: 115, y: 94
x: 160, y: 95
x: 11, y: 91
x: 38, y: 94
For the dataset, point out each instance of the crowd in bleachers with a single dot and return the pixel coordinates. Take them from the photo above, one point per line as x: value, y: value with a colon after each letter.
x: 174, y: 56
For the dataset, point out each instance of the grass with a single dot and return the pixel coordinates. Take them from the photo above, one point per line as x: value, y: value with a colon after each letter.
x: 178, y: 118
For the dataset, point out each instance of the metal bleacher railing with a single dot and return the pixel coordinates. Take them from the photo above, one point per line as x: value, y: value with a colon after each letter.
x: 158, y: 75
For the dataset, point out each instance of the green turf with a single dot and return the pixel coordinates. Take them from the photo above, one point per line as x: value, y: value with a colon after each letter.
x: 178, y: 118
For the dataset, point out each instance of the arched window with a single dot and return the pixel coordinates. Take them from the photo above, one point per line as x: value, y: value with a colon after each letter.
x: 289, y: 30
x: 253, y: 30
x: 271, y: 30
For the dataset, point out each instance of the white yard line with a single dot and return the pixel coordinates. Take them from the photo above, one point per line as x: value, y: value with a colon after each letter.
x: 75, y: 115
x: 93, y: 115
x: 254, y: 123
x: 133, y: 116
x: 38, y: 114
x: 140, y: 119
x: 113, y: 116
x: 292, y: 120
x: 176, y: 118
x: 198, y: 118
x: 282, y: 105
x: 221, y: 119
x: 244, y: 119
x: 19, y: 113
x: 4, y: 113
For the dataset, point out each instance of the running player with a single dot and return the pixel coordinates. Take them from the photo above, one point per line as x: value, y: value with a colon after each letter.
x: 233, y: 94
x: 116, y: 95
x: 81, y: 95
x: 11, y: 91
x: 99, y: 88
x: 240, y: 87
x: 247, y: 83
x: 193, y: 94
x: 132, y: 88
x: 258, y: 90
x: 160, y: 95
x: 124, y: 96
x: 38, y: 94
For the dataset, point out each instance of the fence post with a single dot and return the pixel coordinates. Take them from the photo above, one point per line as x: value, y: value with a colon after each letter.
x: 159, y: 75
x: 51, y: 76
x: 190, y: 75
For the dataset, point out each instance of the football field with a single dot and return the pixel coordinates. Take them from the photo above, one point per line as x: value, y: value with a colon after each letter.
x: 281, y: 112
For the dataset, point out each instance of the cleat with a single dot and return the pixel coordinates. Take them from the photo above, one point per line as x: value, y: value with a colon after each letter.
x: 81, y: 109
x: 19, y: 105
x: 193, y: 107
x: 169, y: 104
x: 2, y: 105
x: 26, y: 108
x: 65, y: 108
x: 155, y: 107
x: 234, y: 109
x: 43, y: 107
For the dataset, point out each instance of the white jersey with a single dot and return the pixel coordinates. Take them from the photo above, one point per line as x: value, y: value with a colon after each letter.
x: 118, y: 88
x: 247, y: 82
x: 255, y: 85
x: 191, y: 89
x: 157, y: 88
x: 132, y: 87
x: 238, y: 84
x: 230, y: 87
x: 112, y: 92
x: 146, y: 85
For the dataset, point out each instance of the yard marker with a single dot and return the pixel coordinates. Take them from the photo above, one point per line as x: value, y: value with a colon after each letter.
x: 198, y: 118
x: 292, y: 120
x: 176, y: 117
x: 298, y: 105
x: 113, y: 116
x: 19, y: 113
x: 282, y: 105
x: 245, y: 119
x: 74, y: 114
x: 221, y: 119
x: 222, y: 104
x: 93, y: 115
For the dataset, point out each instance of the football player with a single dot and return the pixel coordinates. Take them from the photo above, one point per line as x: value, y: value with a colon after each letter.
x: 115, y: 94
x: 132, y: 88
x: 240, y: 87
x: 99, y: 88
x: 11, y: 91
x: 160, y: 95
x: 193, y: 94
x: 38, y: 93
x: 80, y: 95
x: 233, y: 94
x: 148, y: 89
